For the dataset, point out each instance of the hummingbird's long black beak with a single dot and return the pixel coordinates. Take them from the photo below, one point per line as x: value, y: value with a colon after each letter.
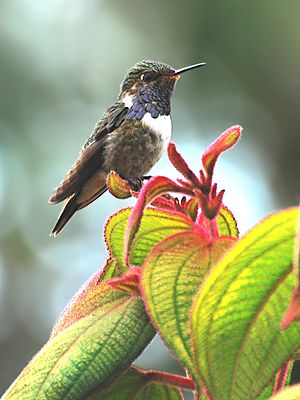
x: 182, y: 70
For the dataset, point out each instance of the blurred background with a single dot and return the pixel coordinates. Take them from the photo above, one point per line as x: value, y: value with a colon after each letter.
x: 61, y: 65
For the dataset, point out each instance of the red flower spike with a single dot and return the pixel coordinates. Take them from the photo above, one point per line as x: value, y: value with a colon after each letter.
x: 205, y: 183
x: 223, y: 143
x: 127, y: 283
x: 177, y: 205
x: 293, y: 312
x: 202, y: 177
x: 187, y: 207
x: 165, y: 201
x: 202, y: 200
x: 181, y: 166
x: 209, y: 225
x: 218, y: 201
x: 153, y: 188
x: 213, y: 192
x: 210, y: 206
x: 185, y: 184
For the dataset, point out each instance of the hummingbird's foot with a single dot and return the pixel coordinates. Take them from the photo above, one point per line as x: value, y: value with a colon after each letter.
x: 146, y: 177
x: 135, y: 183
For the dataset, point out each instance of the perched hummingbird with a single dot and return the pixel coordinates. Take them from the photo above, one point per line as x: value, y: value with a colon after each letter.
x: 129, y: 138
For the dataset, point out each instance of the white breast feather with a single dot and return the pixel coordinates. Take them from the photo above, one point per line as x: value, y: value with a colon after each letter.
x: 161, y: 125
x: 127, y: 100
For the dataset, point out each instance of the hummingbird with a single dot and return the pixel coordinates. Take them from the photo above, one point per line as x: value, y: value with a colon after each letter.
x: 129, y: 139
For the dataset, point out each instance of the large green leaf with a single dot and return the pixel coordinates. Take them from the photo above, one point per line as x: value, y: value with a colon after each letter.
x: 171, y: 276
x: 96, y: 340
x: 85, y: 300
x: 238, y: 344
x: 156, y: 225
x: 135, y: 385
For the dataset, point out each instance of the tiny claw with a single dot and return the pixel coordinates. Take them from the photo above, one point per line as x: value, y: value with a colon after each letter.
x: 147, y: 177
x: 135, y: 183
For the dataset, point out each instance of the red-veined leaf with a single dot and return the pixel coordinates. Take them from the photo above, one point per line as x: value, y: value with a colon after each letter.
x: 153, y: 188
x: 99, y: 335
x: 238, y: 344
x: 171, y: 275
x: 155, y: 226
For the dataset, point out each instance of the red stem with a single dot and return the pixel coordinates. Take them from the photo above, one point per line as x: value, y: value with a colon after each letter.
x: 209, y: 225
x: 170, y: 379
x: 214, y: 228
x: 281, y: 377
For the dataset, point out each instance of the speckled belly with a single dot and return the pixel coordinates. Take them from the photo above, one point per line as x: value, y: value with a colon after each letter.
x: 134, y: 153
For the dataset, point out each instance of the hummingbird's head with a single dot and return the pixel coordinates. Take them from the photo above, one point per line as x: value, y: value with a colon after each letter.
x: 151, y: 84
x: 147, y: 73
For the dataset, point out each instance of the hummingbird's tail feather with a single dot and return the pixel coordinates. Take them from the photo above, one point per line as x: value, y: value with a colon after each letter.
x: 76, y: 202
x: 89, y: 162
x: 67, y: 212
x: 85, y: 202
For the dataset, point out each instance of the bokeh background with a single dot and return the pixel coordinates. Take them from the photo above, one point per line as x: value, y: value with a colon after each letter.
x: 61, y: 63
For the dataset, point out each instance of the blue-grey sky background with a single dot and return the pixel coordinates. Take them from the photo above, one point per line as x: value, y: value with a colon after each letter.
x: 61, y: 65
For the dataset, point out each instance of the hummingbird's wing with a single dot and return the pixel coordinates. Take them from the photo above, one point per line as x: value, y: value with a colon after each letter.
x: 91, y: 157
x: 86, y: 180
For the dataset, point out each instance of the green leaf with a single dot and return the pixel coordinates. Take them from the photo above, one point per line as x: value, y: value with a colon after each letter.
x: 83, y: 302
x: 238, y: 344
x: 92, y: 344
x: 157, y: 391
x: 127, y: 387
x: 156, y: 225
x: 134, y: 385
x: 171, y: 276
x: 226, y: 222
x: 155, y: 187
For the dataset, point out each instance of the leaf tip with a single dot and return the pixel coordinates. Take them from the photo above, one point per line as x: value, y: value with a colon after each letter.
x: 226, y: 140
x: 118, y: 187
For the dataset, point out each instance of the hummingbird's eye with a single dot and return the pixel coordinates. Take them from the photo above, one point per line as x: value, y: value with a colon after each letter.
x: 147, y: 77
